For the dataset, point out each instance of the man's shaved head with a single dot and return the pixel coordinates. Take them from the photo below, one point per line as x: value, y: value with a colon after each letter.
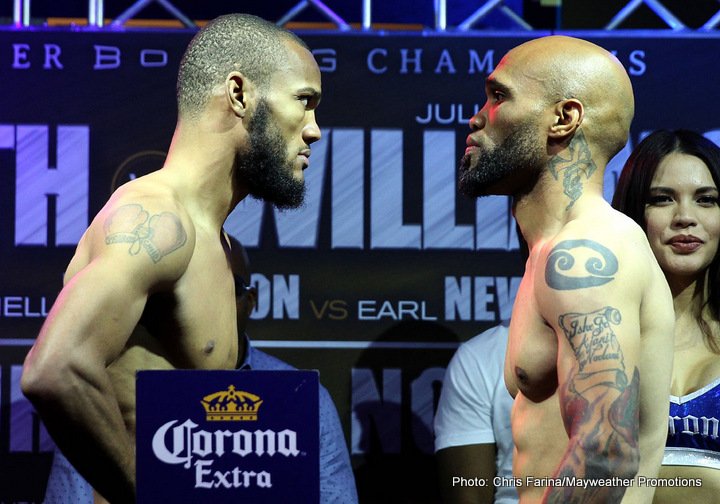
x: 566, y: 67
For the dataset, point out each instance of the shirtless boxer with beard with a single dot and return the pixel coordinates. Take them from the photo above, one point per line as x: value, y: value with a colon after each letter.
x: 591, y: 336
x: 150, y: 285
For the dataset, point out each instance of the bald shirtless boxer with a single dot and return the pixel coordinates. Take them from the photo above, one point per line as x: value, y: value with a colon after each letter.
x: 590, y: 346
x: 150, y: 285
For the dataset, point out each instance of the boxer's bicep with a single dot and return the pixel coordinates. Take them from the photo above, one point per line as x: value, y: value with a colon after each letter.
x: 132, y: 251
x: 593, y: 306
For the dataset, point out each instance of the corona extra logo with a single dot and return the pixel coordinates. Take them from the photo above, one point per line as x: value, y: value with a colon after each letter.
x: 231, y: 405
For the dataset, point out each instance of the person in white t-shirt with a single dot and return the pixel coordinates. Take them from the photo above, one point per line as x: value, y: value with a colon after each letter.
x: 473, y: 440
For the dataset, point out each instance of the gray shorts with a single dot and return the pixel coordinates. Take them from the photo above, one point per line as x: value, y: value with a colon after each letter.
x: 65, y: 484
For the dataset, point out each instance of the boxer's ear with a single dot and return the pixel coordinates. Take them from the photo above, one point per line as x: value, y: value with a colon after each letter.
x: 238, y: 92
x: 569, y: 115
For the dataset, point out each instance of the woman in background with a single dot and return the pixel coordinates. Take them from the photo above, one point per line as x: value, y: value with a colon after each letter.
x: 669, y: 186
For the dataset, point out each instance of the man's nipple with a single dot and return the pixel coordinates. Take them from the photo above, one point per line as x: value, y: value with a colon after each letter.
x: 209, y: 347
x: 522, y: 376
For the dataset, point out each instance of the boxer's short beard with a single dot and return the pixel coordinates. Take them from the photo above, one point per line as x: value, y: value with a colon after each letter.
x: 519, y: 152
x: 264, y: 167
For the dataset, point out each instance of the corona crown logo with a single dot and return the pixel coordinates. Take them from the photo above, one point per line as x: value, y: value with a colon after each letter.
x: 231, y: 405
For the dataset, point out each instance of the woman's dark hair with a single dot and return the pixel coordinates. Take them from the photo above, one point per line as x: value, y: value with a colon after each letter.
x: 633, y: 193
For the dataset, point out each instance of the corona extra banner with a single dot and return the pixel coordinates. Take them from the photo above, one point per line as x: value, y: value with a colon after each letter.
x: 227, y: 436
x: 374, y: 282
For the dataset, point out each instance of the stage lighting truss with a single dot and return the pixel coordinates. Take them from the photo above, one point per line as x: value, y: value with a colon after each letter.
x: 96, y: 18
x: 659, y: 9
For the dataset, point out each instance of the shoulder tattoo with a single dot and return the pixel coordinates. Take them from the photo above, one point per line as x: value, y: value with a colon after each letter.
x: 578, y: 166
x: 596, y: 347
x: 600, y: 402
x: 599, y: 267
x: 158, y: 234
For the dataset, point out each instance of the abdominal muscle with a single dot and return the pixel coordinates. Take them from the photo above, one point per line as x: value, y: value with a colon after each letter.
x: 122, y: 373
x: 540, y: 442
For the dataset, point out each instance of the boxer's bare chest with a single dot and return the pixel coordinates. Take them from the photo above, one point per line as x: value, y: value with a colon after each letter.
x: 531, y: 365
x: 192, y: 325
x: 196, y: 320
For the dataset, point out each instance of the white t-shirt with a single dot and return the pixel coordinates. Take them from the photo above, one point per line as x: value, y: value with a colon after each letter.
x: 475, y: 405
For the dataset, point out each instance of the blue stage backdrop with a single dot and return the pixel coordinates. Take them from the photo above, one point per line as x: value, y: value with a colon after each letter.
x: 373, y: 283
